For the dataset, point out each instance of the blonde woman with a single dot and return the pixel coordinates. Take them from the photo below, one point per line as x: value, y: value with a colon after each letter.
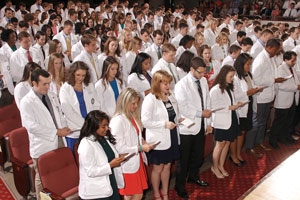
x: 199, y: 40
x: 57, y: 72
x: 160, y: 117
x: 211, y: 32
x: 127, y: 127
x: 125, y: 40
x: 127, y: 60
x: 219, y: 50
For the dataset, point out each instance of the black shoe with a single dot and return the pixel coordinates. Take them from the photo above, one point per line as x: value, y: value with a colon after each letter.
x: 236, y: 164
x: 243, y: 162
x: 182, y: 193
x: 274, y: 145
x: 198, y: 182
x: 291, y: 140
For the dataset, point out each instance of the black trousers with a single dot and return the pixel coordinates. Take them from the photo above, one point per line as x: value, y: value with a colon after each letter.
x: 191, y: 158
x: 282, y: 125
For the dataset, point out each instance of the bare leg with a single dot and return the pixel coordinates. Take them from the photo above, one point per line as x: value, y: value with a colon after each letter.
x: 223, y: 157
x: 165, y: 178
x: 233, y: 153
x: 155, y: 179
x: 240, y: 142
x: 216, y: 157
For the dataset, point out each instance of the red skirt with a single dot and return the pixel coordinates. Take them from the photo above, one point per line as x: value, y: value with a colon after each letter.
x: 135, y: 183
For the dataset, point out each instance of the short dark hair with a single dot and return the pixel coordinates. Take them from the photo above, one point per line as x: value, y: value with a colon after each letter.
x: 273, y: 42
x: 23, y: 24
x: 87, y: 39
x: 241, y: 33
x: 197, y: 62
x: 183, y: 25
x: 37, y: 73
x: 39, y: 34
x: 157, y: 32
x: 6, y: 33
x: 68, y: 23
x: 247, y: 41
x: 22, y: 35
x: 76, y: 66
x: 288, y: 55
x: 238, y: 22
x: 234, y: 48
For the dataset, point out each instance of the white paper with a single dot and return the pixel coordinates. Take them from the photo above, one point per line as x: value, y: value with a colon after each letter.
x: 217, y: 109
x: 288, y: 77
x: 156, y: 143
x: 187, y: 122
x: 74, y: 130
x: 128, y: 155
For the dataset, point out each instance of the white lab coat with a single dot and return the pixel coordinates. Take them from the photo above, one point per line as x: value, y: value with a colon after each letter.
x: 126, y: 62
x: 106, y: 96
x: 240, y: 94
x: 189, y: 102
x: 163, y: 65
x: 217, y: 53
x: 154, y: 117
x: 77, y: 49
x: 139, y: 85
x: 127, y: 141
x: 287, y: 91
x: 39, y: 124
x: 18, y: 60
x: 94, y: 170
x: 37, y: 55
x: 60, y: 36
x: 152, y: 51
x: 85, y: 57
x: 21, y: 90
x: 71, y: 108
x: 221, y: 119
x: 263, y: 71
x: 288, y: 44
x: 175, y: 41
x: 256, y: 48
x: 210, y: 36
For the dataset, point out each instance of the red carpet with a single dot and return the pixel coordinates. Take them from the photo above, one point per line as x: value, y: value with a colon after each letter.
x: 241, y: 178
x: 4, y: 192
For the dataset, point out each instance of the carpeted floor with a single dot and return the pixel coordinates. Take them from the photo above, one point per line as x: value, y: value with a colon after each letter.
x: 241, y: 178
x: 5, y: 194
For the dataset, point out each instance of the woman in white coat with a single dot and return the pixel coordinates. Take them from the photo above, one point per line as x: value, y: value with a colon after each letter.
x: 160, y: 117
x: 244, y: 91
x: 139, y: 78
x: 78, y: 97
x: 224, y: 119
x: 127, y: 128
x: 100, y: 174
x: 24, y: 86
x: 211, y: 32
x: 109, y: 85
x: 57, y: 71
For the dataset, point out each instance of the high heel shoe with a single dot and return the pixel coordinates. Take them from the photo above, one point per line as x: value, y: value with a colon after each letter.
x: 218, y: 176
x: 243, y: 162
x: 162, y: 194
x: 236, y: 164
x: 224, y: 173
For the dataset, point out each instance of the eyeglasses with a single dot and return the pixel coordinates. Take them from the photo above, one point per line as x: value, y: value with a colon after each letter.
x: 203, y: 72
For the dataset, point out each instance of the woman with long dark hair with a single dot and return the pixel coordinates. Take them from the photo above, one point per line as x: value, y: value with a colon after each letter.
x: 99, y: 162
x: 224, y: 119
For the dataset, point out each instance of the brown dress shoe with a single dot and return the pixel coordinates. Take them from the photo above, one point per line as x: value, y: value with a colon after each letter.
x: 254, y: 153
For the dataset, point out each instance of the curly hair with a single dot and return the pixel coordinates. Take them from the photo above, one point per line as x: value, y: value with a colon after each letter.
x: 221, y: 78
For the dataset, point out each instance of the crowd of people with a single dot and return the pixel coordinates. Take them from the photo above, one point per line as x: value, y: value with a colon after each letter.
x: 124, y: 86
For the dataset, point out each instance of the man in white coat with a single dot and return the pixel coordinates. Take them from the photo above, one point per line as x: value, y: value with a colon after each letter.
x: 43, y: 119
x: 67, y: 39
x: 39, y: 50
x: 287, y: 97
x: 260, y: 43
x: 155, y: 49
x: 264, y: 75
x: 89, y: 57
x: 183, y: 30
x: 292, y: 41
x: 166, y: 63
x: 193, y: 99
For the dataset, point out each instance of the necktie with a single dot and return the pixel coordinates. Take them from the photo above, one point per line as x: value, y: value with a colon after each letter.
x: 169, y: 66
x: 29, y: 56
x: 295, y: 43
x: 158, y: 53
x: 291, y: 70
x: 32, y: 32
x: 68, y: 42
x: 43, y: 52
x: 290, y: 13
x: 45, y: 102
x: 94, y: 65
x: 200, y: 93
x: 1, y: 84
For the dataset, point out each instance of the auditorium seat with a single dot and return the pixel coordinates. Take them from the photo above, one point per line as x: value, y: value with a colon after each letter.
x: 59, y: 174
x: 10, y: 119
x: 23, y: 171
